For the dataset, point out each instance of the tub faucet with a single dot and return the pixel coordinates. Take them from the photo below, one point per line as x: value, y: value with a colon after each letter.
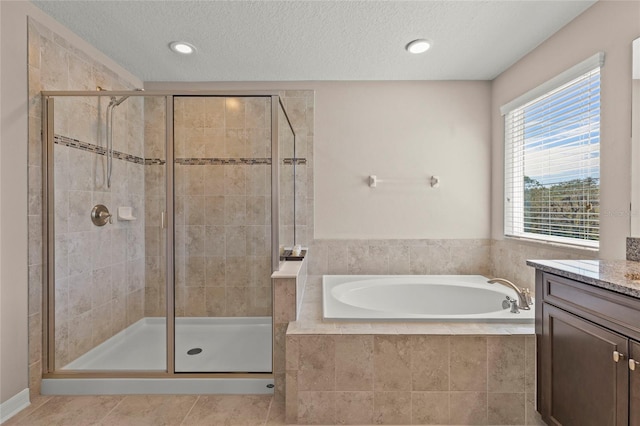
x: 524, y: 299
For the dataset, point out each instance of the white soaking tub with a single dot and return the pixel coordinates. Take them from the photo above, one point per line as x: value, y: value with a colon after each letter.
x: 417, y: 297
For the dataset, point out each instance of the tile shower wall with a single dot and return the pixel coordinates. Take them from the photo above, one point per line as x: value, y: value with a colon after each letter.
x: 223, y: 206
x: 99, y: 286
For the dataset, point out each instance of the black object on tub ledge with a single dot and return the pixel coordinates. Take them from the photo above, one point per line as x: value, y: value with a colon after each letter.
x: 288, y: 255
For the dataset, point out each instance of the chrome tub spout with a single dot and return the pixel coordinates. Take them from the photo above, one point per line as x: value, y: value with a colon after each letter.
x: 524, y: 299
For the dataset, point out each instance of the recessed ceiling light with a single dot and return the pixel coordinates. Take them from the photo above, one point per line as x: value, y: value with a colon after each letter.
x: 182, y: 47
x: 418, y: 46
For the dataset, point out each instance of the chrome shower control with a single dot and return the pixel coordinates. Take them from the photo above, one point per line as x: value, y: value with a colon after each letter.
x: 100, y: 215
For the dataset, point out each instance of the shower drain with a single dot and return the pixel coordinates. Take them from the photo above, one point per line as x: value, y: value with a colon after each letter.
x: 194, y: 351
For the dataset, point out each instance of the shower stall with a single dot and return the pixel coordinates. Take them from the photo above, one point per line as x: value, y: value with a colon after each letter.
x: 165, y: 217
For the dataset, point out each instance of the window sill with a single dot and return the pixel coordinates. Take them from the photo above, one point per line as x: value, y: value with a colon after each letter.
x: 534, y: 241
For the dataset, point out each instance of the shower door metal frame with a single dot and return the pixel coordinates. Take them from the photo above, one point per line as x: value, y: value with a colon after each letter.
x: 48, y: 230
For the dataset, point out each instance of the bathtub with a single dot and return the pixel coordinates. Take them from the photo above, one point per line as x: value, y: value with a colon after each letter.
x: 417, y: 297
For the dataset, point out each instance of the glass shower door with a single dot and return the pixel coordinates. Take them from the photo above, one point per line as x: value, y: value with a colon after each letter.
x: 107, y: 156
x: 222, y: 234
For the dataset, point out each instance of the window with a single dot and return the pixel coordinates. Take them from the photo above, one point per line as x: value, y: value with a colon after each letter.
x: 552, y: 159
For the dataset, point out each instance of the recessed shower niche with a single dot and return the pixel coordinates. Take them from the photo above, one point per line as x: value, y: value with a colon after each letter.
x: 176, y: 280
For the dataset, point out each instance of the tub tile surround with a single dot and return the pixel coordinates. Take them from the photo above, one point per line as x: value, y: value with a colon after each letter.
x: 509, y: 259
x: 409, y: 379
x: 401, y: 257
x: 407, y: 372
x: 288, y: 285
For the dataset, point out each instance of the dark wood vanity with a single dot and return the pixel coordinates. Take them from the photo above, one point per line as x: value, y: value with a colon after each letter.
x: 588, y: 342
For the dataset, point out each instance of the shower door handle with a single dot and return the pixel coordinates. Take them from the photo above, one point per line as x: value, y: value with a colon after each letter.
x: 162, y: 220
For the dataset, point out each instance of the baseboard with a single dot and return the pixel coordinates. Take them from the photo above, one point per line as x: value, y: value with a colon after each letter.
x: 14, y: 405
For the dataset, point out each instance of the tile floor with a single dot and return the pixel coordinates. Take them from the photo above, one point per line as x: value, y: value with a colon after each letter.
x: 152, y: 410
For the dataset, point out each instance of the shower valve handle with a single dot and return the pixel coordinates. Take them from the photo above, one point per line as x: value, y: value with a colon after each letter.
x: 100, y: 215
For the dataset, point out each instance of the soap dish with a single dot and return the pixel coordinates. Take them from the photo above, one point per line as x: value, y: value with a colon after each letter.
x: 288, y: 255
x: 125, y: 213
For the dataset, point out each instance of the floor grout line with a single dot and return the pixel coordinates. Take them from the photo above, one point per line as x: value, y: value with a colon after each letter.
x: 114, y: 407
x: 190, y: 409
x: 266, y: 420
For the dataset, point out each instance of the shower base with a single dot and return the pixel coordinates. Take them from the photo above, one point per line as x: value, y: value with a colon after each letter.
x: 203, y: 345
x: 234, y: 344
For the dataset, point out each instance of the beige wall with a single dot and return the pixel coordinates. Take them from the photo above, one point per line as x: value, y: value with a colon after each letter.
x: 402, y: 130
x: 13, y: 193
x: 609, y: 27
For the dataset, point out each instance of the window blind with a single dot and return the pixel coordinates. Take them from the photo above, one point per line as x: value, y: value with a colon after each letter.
x: 552, y: 164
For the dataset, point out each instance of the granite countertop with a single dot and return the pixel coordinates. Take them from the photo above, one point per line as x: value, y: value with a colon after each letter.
x: 614, y: 275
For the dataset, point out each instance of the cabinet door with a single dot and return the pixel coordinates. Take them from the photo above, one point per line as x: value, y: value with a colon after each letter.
x: 634, y: 385
x: 583, y: 384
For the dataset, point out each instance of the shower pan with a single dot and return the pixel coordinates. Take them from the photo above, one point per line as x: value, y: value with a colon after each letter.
x: 162, y: 229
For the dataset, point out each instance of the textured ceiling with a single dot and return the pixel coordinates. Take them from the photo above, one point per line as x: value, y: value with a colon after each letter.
x: 315, y: 40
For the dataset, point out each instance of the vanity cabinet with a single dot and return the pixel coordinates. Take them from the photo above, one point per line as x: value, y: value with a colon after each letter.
x: 588, y: 356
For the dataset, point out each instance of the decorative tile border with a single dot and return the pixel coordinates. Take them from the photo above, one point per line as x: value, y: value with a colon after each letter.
x: 74, y: 143
x: 290, y: 161
x: 221, y: 161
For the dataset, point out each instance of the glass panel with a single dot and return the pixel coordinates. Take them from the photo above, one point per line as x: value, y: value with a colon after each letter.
x: 287, y: 153
x: 222, y: 234
x: 109, y: 279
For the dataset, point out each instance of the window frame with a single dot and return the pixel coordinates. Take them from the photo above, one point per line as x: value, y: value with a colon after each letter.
x: 514, y: 225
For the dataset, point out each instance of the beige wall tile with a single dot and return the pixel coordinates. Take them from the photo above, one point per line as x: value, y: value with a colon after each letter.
x: 292, y: 353
x: 215, y: 303
x: 291, y: 396
x: 429, y: 363
x: 284, y: 303
x: 354, y: 408
x: 429, y: 408
x: 468, y: 408
x: 530, y: 364
x: 506, y: 364
x: 35, y: 342
x: 392, y: 363
x: 354, y: 363
x: 316, y: 407
x: 392, y: 408
x: 468, y: 363
x: 279, y: 351
x: 234, y: 113
x: 532, y: 417
x: 316, y: 364
x: 506, y: 409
